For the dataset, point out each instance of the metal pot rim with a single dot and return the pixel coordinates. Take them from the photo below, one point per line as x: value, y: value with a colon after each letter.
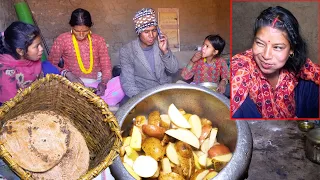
x: 240, y: 161
x: 313, y: 135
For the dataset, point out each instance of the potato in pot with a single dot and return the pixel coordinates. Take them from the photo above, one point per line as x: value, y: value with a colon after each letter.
x: 152, y: 147
x: 205, y: 121
x: 170, y: 176
x: 166, y: 139
x: 218, y: 150
x: 140, y: 120
x: 160, y: 149
x: 178, y: 170
x: 154, y: 118
x: 186, y: 158
x: 143, y: 136
x: 153, y: 131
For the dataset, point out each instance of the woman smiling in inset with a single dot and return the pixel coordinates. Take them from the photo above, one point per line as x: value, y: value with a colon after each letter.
x: 275, y: 79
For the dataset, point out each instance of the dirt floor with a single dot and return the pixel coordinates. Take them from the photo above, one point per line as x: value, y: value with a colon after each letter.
x: 278, y: 152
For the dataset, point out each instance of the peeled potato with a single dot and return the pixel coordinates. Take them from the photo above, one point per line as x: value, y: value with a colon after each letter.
x: 136, y: 139
x: 182, y: 111
x: 143, y: 136
x: 131, y: 153
x: 206, y: 129
x: 130, y: 170
x: 126, y: 142
x: 223, y: 158
x: 210, y: 175
x: 165, y: 121
x: 165, y: 165
x: 218, y: 150
x: 184, y: 135
x: 196, y: 161
x: 156, y: 175
x: 177, y: 118
x: 145, y: 166
x: 199, y: 174
x: 172, y: 154
x: 187, y: 116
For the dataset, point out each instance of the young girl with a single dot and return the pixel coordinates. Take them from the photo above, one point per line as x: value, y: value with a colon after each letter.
x: 207, y: 65
x: 275, y: 79
x: 20, y: 53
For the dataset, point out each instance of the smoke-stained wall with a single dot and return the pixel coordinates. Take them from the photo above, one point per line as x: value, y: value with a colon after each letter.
x: 113, y: 19
x: 7, y: 14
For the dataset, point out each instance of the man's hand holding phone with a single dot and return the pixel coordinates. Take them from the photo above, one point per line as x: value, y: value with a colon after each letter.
x: 163, y: 41
x: 159, y: 32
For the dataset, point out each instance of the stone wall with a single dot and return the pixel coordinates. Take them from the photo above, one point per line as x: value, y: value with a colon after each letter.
x: 245, y: 13
x: 7, y: 14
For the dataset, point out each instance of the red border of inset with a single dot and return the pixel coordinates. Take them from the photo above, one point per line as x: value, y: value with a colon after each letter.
x: 318, y: 61
x: 274, y: 0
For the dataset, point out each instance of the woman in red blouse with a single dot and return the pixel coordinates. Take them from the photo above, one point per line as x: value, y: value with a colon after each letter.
x: 207, y: 65
x: 85, y: 57
x: 275, y: 79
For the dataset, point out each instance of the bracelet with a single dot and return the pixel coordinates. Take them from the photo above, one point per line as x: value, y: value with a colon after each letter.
x: 64, y: 72
x: 189, y: 66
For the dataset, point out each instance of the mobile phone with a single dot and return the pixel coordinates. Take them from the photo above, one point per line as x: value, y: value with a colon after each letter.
x: 159, y: 32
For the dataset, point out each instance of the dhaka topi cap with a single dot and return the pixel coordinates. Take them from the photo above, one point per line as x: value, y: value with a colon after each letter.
x: 144, y: 18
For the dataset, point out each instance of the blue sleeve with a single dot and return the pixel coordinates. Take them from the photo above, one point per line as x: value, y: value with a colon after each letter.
x: 48, y: 68
x: 248, y: 109
x: 307, y: 99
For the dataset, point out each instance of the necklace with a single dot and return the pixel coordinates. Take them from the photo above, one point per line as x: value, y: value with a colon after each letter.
x: 206, y: 61
x: 76, y: 48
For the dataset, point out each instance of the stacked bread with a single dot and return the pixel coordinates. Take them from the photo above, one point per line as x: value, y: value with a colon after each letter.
x: 47, y: 145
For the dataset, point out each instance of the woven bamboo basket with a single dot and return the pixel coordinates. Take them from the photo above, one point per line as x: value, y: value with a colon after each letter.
x: 88, y: 112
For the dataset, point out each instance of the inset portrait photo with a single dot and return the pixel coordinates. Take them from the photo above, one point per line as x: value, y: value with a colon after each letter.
x: 275, y: 72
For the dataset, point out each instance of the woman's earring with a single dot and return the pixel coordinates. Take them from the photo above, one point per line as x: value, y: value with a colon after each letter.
x: 71, y: 31
x: 291, y: 55
x: 90, y: 32
x: 20, y: 51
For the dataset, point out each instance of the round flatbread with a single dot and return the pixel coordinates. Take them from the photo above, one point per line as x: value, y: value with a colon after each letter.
x: 75, y: 162
x: 37, y: 141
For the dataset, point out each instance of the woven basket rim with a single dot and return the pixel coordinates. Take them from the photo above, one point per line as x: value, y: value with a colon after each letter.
x: 91, y: 98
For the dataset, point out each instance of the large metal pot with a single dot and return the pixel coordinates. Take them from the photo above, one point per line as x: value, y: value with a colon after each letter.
x: 198, y: 100
x: 312, y: 146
